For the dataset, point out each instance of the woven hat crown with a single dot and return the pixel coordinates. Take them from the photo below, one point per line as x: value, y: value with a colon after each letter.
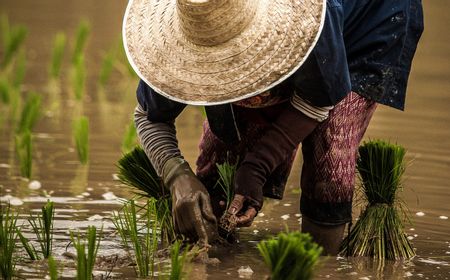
x: 207, y: 52
x: 213, y: 22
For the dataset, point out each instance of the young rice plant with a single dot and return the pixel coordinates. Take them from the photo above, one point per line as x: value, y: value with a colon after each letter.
x: 86, y: 250
x: 8, y: 237
x: 24, y: 151
x: 42, y: 226
x: 290, y: 256
x: 30, y: 113
x: 81, y: 136
x: 59, y: 45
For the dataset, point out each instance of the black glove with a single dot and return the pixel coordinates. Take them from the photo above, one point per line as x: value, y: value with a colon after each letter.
x: 276, y: 146
x: 191, y: 206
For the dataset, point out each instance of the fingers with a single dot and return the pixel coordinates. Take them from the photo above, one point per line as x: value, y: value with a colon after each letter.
x: 237, y: 204
x: 247, y: 218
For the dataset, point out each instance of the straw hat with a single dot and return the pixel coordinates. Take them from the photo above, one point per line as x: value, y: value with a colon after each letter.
x: 207, y: 52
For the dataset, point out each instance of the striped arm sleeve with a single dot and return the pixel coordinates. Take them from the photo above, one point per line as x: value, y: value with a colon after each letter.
x: 158, y: 139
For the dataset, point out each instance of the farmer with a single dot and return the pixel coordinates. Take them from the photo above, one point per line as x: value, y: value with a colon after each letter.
x: 273, y: 74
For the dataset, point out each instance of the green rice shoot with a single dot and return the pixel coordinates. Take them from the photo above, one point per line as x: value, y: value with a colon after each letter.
x: 379, y: 232
x: 20, y: 69
x: 226, y: 173
x: 8, y: 237
x: 177, y: 261
x: 138, y: 230
x: 107, y: 67
x: 24, y: 151
x: 81, y: 136
x: 30, y: 113
x: 81, y: 37
x: 42, y: 226
x: 52, y: 268
x: 290, y: 256
x: 13, y: 38
x: 79, y: 77
x: 130, y: 138
x: 86, y: 250
x: 5, y: 91
x: 59, y: 45
x: 29, y: 248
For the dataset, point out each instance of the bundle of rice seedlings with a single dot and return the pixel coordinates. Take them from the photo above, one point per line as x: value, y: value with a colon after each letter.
x: 139, y: 234
x: 290, y: 256
x: 81, y: 136
x: 59, y: 44
x: 8, y: 237
x: 13, y: 38
x: 86, y: 258
x: 379, y: 232
x: 136, y: 171
x: 24, y: 150
x: 81, y: 37
x: 30, y: 112
x: 42, y: 226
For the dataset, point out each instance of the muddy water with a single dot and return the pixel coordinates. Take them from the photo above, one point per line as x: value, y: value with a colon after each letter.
x: 88, y: 195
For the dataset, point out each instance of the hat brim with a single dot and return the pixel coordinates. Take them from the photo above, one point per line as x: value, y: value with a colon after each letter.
x: 272, y: 47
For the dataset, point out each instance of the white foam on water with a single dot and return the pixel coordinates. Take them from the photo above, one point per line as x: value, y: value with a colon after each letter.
x: 34, y: 185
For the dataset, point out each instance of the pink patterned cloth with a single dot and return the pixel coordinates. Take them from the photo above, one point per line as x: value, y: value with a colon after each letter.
x: 329, y: 156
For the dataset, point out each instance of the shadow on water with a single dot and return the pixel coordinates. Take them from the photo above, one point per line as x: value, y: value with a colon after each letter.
x: 87, y: 195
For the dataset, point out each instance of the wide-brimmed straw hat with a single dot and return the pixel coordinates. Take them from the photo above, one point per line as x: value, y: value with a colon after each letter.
x: 207, y: 52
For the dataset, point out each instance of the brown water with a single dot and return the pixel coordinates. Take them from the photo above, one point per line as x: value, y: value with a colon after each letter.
x: 424, y: 129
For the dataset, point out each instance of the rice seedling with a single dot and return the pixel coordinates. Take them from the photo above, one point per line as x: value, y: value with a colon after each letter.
x: 79, y: 77
x: 81, y: 37
x: 52, y: 268
x: 13, y: 38
x: 29, y: 248
x: 20, y: 69
x: 228, y: 222
x: 8, y: 237
x: 5, y: 91
x: 226, y: 173
x: 42, y: 226
x: 59, y: 45
x: 81, y: 136
x: 107, y: 67
x: 379, y: 232
x: 24, y: 149
x: 86, y: 259
x: 290, y: 256
x: 30, y: 112
x: 177, y: 261
x: 130, y: 138
x: 139, y: 234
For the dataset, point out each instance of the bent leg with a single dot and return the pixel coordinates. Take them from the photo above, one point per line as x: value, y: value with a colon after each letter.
x: 328, y: 173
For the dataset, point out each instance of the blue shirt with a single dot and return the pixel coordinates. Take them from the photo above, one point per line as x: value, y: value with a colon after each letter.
x: 366, y: 46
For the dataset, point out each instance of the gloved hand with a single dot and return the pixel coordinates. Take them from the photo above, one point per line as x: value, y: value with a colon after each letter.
x: 275, y: 146
x: 191, y: 207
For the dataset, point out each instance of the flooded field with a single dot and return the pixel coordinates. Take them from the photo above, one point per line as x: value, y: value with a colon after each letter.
x: 88, y: 194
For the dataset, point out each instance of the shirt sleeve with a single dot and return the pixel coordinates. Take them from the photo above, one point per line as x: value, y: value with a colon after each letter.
x: 324, y: 78
x: 158, y: 107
